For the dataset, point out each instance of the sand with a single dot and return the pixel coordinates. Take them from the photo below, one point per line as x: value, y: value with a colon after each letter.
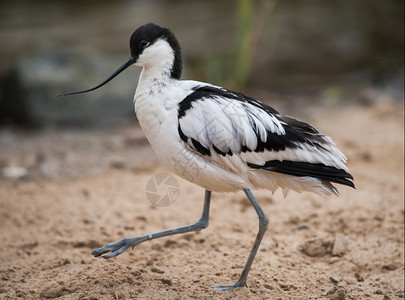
x: 78, y: 190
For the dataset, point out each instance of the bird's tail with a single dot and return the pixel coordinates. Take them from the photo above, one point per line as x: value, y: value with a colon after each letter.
x: 326, y: 174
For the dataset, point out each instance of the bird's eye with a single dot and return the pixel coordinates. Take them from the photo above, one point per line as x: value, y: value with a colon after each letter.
x: 144, y: 43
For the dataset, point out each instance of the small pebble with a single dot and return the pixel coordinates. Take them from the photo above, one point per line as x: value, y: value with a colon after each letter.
x: 391, y: 267
x: 331, y: 291
x: 303, y: 226
x: 317, y: 246
x: 338, y: 295
x: 349, y: 281
x: 196, y: 280
x: 334, y: 279
x: 170, y: 243
x: 166, y: 281
x: 333, y: 259
x: 156, y: 247
x: 51, y: 292
x: 359, y: 277
x: 149, y: 262
x: 156, y: 270
x: 117, y: 163
x: 339, y: 246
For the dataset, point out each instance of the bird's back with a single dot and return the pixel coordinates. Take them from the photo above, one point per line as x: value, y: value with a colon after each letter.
x: 239, y: 142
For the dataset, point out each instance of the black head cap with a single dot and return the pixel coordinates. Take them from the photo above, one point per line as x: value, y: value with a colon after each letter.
x: 142, y: 38
x: 149, y: 33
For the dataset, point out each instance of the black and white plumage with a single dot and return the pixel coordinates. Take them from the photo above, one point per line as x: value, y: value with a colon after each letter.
x: 245, y: 136
x: 221, y: 140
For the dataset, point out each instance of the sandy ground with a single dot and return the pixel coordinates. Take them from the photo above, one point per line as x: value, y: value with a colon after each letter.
x: 75, y: 191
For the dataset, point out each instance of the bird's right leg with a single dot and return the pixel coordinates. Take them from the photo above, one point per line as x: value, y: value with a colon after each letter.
x: 116, y: 248
x: 263, y: 224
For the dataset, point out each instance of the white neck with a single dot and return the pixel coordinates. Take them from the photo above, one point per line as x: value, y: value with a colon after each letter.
x: 150, y: 96
x: 157, y: 62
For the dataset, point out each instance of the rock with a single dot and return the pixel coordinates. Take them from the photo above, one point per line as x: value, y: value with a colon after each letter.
x: 156, y: 270
x: 334, y: 279
x: 333, y: 259
x: 339, y: 246
x: 392, y: 266
x: 331, y: 291
x: 48, y: 73
x: 117, y: 162
x: 166, y: 281
x: 170, y: 243
x: 317, y: 246
x: 14, y: 172
x: 359, y: 277
x: 339, y: 294
x: 303, y: 226
x: 149, y: 262
x: 51, y: 291
x: 348, y: 280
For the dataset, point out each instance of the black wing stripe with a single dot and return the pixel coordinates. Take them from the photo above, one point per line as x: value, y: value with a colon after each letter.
x: 182, y: 135
x: 296, y: 132
x: 200, y: 148
x: 301, y: 169
x: 201, y: 92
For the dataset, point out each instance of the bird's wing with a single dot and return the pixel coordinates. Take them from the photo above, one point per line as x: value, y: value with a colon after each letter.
x: 229, y: 126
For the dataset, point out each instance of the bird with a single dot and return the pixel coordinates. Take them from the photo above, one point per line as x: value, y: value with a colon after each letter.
x: 220, y: 140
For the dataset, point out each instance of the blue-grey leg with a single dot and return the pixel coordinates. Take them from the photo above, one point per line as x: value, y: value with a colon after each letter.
x: 263, y: 224
x: 116, y: 248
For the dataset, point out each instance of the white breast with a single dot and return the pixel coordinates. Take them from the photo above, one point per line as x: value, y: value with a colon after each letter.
x: 156, y: 108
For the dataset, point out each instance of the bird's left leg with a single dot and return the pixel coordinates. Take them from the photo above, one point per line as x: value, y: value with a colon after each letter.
x: 116, y: 248
x: 263, y: 224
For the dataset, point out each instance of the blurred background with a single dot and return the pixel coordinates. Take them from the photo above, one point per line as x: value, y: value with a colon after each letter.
x: 297, y: 56
x: 278, y: 51
x: 73, y: 170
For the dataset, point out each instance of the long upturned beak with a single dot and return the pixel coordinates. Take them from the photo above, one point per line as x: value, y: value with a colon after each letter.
x: 130, y: 62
